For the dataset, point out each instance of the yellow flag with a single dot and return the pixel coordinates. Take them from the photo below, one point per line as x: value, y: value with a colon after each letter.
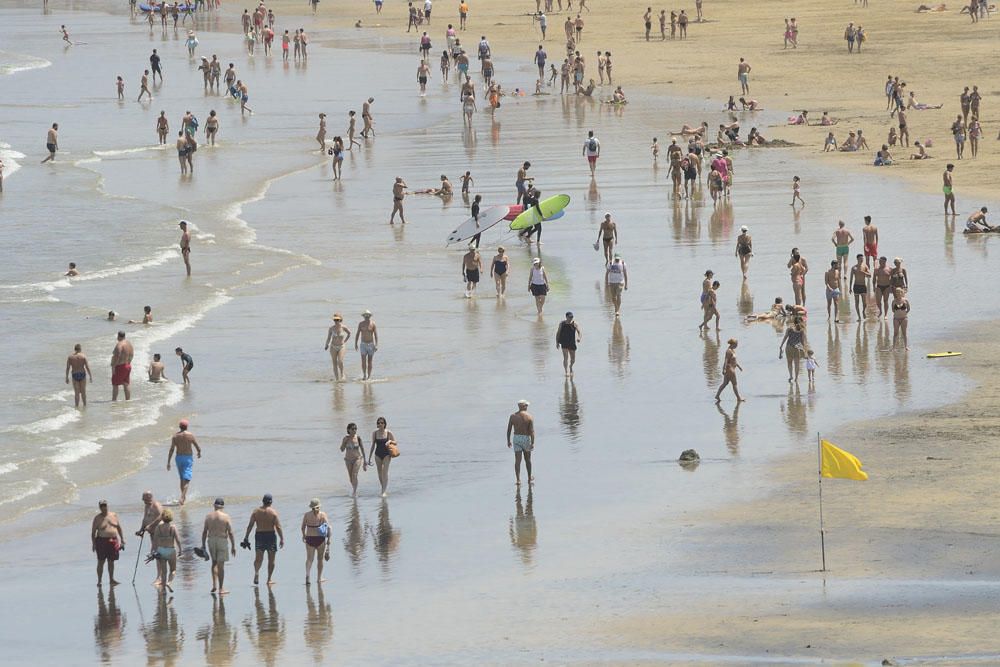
x: 840, y: 464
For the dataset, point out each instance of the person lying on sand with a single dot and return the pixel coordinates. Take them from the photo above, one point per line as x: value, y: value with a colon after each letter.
x: 801, y: 119
x: 932, y: 8
x: 777, y: 312
x: 911, y: 103
x: 921, y: 153
x: 445, y: 190
x: 688, y: 130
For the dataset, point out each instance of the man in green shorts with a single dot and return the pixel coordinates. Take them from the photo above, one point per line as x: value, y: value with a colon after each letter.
x: 842, y: 240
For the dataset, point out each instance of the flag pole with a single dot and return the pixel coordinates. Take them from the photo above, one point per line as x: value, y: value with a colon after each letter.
x: 822, y: 536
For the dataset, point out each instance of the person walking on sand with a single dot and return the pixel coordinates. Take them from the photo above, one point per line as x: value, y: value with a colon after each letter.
x: 744, y: 249
x: 166, y: 545
x: 793, y: 347
x: 842, y: 240
x: 831, y: 279
x: 870, y: 235
x: 77, y: 364
x: 219, y: 542
x: 182, y: 443
x: 354, y: 456
x: 366, y: 117
x: 268, y: 537
x: 521, y: 438
x: 958, y: 132
x: 607, y: 235
x: 592, y: 151
x: 106, y: 540
x: 709, y: 306
x: 52, y: 142
x: 382, y: 437
x: 185, y: 245
x: 616, y: 280
x: 472, y: 266
x: 366, y: 341
x: 568, y: 334
x: 743, y: 74
x: 316, y: 536
x: 729, y: 367
x: 187, y: 363
x: 121, y: 367
x: 499, y: 268
x: 398, y: 193
x: 336, y: 338
x: 796, y: 194
x: 538, y: 283
x: 859, y: 286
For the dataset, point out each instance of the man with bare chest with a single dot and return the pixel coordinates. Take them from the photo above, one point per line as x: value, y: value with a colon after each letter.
x: 106, y: 540
x: 121, y: 367
x: 77, y: 364
x: 184, y: 444
x: 521, y: 438
x: 266, y: 539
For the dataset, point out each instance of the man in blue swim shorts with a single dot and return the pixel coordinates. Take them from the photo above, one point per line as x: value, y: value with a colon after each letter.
x: 521, y: 438
x: 183, y: 442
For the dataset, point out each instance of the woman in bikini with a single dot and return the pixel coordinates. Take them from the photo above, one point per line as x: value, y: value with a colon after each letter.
x: 316, y: 536
x: 798, y: 275
x: 975, y: 132
x: 498, y: 270
x: 211, y: 127
x: 381, y: 437
x: 900, y: 312
x: 898, y: 278
x: 729, y: 367
x: 354, y: 455
x: 336, y: 336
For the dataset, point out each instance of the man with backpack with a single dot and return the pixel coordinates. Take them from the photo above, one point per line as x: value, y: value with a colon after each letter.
x: 592, y: 150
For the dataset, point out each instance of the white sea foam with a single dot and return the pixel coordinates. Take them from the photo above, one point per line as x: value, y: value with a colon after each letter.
x: 25, y: 490
x: 162, y: 257
x: 7, y: 468
x: 10, y: 159
x: 72, y: 451
x: 12, y: 63
x: 128, y: 151
x: 48, y: 424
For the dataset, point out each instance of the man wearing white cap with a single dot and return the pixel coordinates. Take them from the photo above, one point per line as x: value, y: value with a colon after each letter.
x: 183, y: 442
x: 218, y: 542
x: 366, y: 341
x: 521, y: 437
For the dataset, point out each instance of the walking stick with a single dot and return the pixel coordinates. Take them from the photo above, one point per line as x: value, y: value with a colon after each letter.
x: 138, y: 552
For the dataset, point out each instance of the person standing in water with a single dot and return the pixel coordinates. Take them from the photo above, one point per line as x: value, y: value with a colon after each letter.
x: 316, y: 536
x: 608, y: 235
x: 336, y: 337
x: 381, y: 437
x: 106, y: 540
x: 321, y: 135
x: 859, y: 286
x: 842, y: 240
x: 268, y: 537
x: 744, y: 249
x: 900, y: 313
x: 948, y: 188
x: 182, y: 443
x: 121, y: 367
x: 498, y: 270
x: 185, y: 245
x: 870, y: 234
x: 366, y: 117
x: 366, y: 341
x: 77, y: 364
x: 538, y: 283
x: 354, y: 456
x: 219, y: 542
x: 472, y: 266
x: 832, y: 281
x: 616, y: 279
x: 729, y: 367
x: 187, y: 363
x: 52, y: 142
x: 568, y: 334
x: 521, y: 438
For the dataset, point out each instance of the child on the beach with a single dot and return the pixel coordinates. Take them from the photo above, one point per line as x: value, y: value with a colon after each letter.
x: 811, y: 366
x: 121, y: 88
x: 466, y: 181
x: 655, y: 148
x: 795, y: 191
x: 830, y: 144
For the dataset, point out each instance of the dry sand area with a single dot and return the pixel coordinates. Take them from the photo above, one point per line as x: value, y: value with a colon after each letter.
x: 936, y: 54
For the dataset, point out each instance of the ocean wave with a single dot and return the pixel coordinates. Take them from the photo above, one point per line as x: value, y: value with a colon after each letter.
x: 162, y: 257
x: 53, y: 423
x: 7, y: 468
x: 12, y: 63
x: 72, y: 451
x: 127, y: 151
x: 30, y: 488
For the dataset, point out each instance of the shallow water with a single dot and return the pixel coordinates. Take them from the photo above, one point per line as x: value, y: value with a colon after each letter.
x: 466, y: 569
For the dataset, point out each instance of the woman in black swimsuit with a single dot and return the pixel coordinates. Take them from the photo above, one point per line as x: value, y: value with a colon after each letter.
x: 381, y: 437
x: 498, y: 270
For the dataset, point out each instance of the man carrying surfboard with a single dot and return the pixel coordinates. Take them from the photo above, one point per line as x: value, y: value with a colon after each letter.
x: 472, y: 265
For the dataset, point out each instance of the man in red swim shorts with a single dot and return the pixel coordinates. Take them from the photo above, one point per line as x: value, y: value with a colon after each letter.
x: 107, y: 539
x: 870, y: 233
x: 121, y: 367
x: 592, y: 149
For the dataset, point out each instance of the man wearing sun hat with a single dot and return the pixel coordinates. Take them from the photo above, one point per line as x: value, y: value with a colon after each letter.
x: 336, y: 337
x: 366, y: 341
x: 521, y: 438
x: 183, y: 442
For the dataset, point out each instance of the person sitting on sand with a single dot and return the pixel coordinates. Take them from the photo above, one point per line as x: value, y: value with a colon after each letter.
x: 796, y: 312
x: 850, y: 143
x: 921, y: 153
x: 619, y: 96
x: 777, y: 312
x: 892, y: 136
x: 801, y: 119
x: 883, y: 158
x: 751, y: 104
x: 976, y: 224
x: 589, y: 90
x: 755, y: 138
x: 911, y: 103
x: 826, y: 120
x: 830, y: 143
x: 932, y: 8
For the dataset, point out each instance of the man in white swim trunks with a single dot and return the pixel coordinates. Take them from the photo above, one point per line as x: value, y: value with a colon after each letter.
x: 521, y: 437
x: 218, y: 541
x: 366, y: 341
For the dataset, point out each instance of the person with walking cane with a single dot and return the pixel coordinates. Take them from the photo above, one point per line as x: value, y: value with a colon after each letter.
x: 151, y: 515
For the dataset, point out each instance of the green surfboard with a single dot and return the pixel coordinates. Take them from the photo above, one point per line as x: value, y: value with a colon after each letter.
x: 549, y: 208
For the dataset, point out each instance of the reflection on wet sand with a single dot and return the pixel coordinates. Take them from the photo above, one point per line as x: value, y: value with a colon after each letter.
x: 833, y: 351
x: 860, y: 357
x: 265, y: 628
x: 523, y: 529
x: 618, y: 349
x: 720, y: 223
x: 218, y: 638
x: 190, y: 535
x: 386, y: 537
x: 164, y: 635
x: 793, y: 411
x: 710, y: 359
x: 354, y: 535
x: 318, y: 630
x: 744, y: 305
x: 731, y: 428
x: 902, y: 376
x: 109, y: 626
x: 569, y: 410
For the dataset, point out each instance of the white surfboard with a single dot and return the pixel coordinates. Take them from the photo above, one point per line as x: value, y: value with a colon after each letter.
x: 487, y: 219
